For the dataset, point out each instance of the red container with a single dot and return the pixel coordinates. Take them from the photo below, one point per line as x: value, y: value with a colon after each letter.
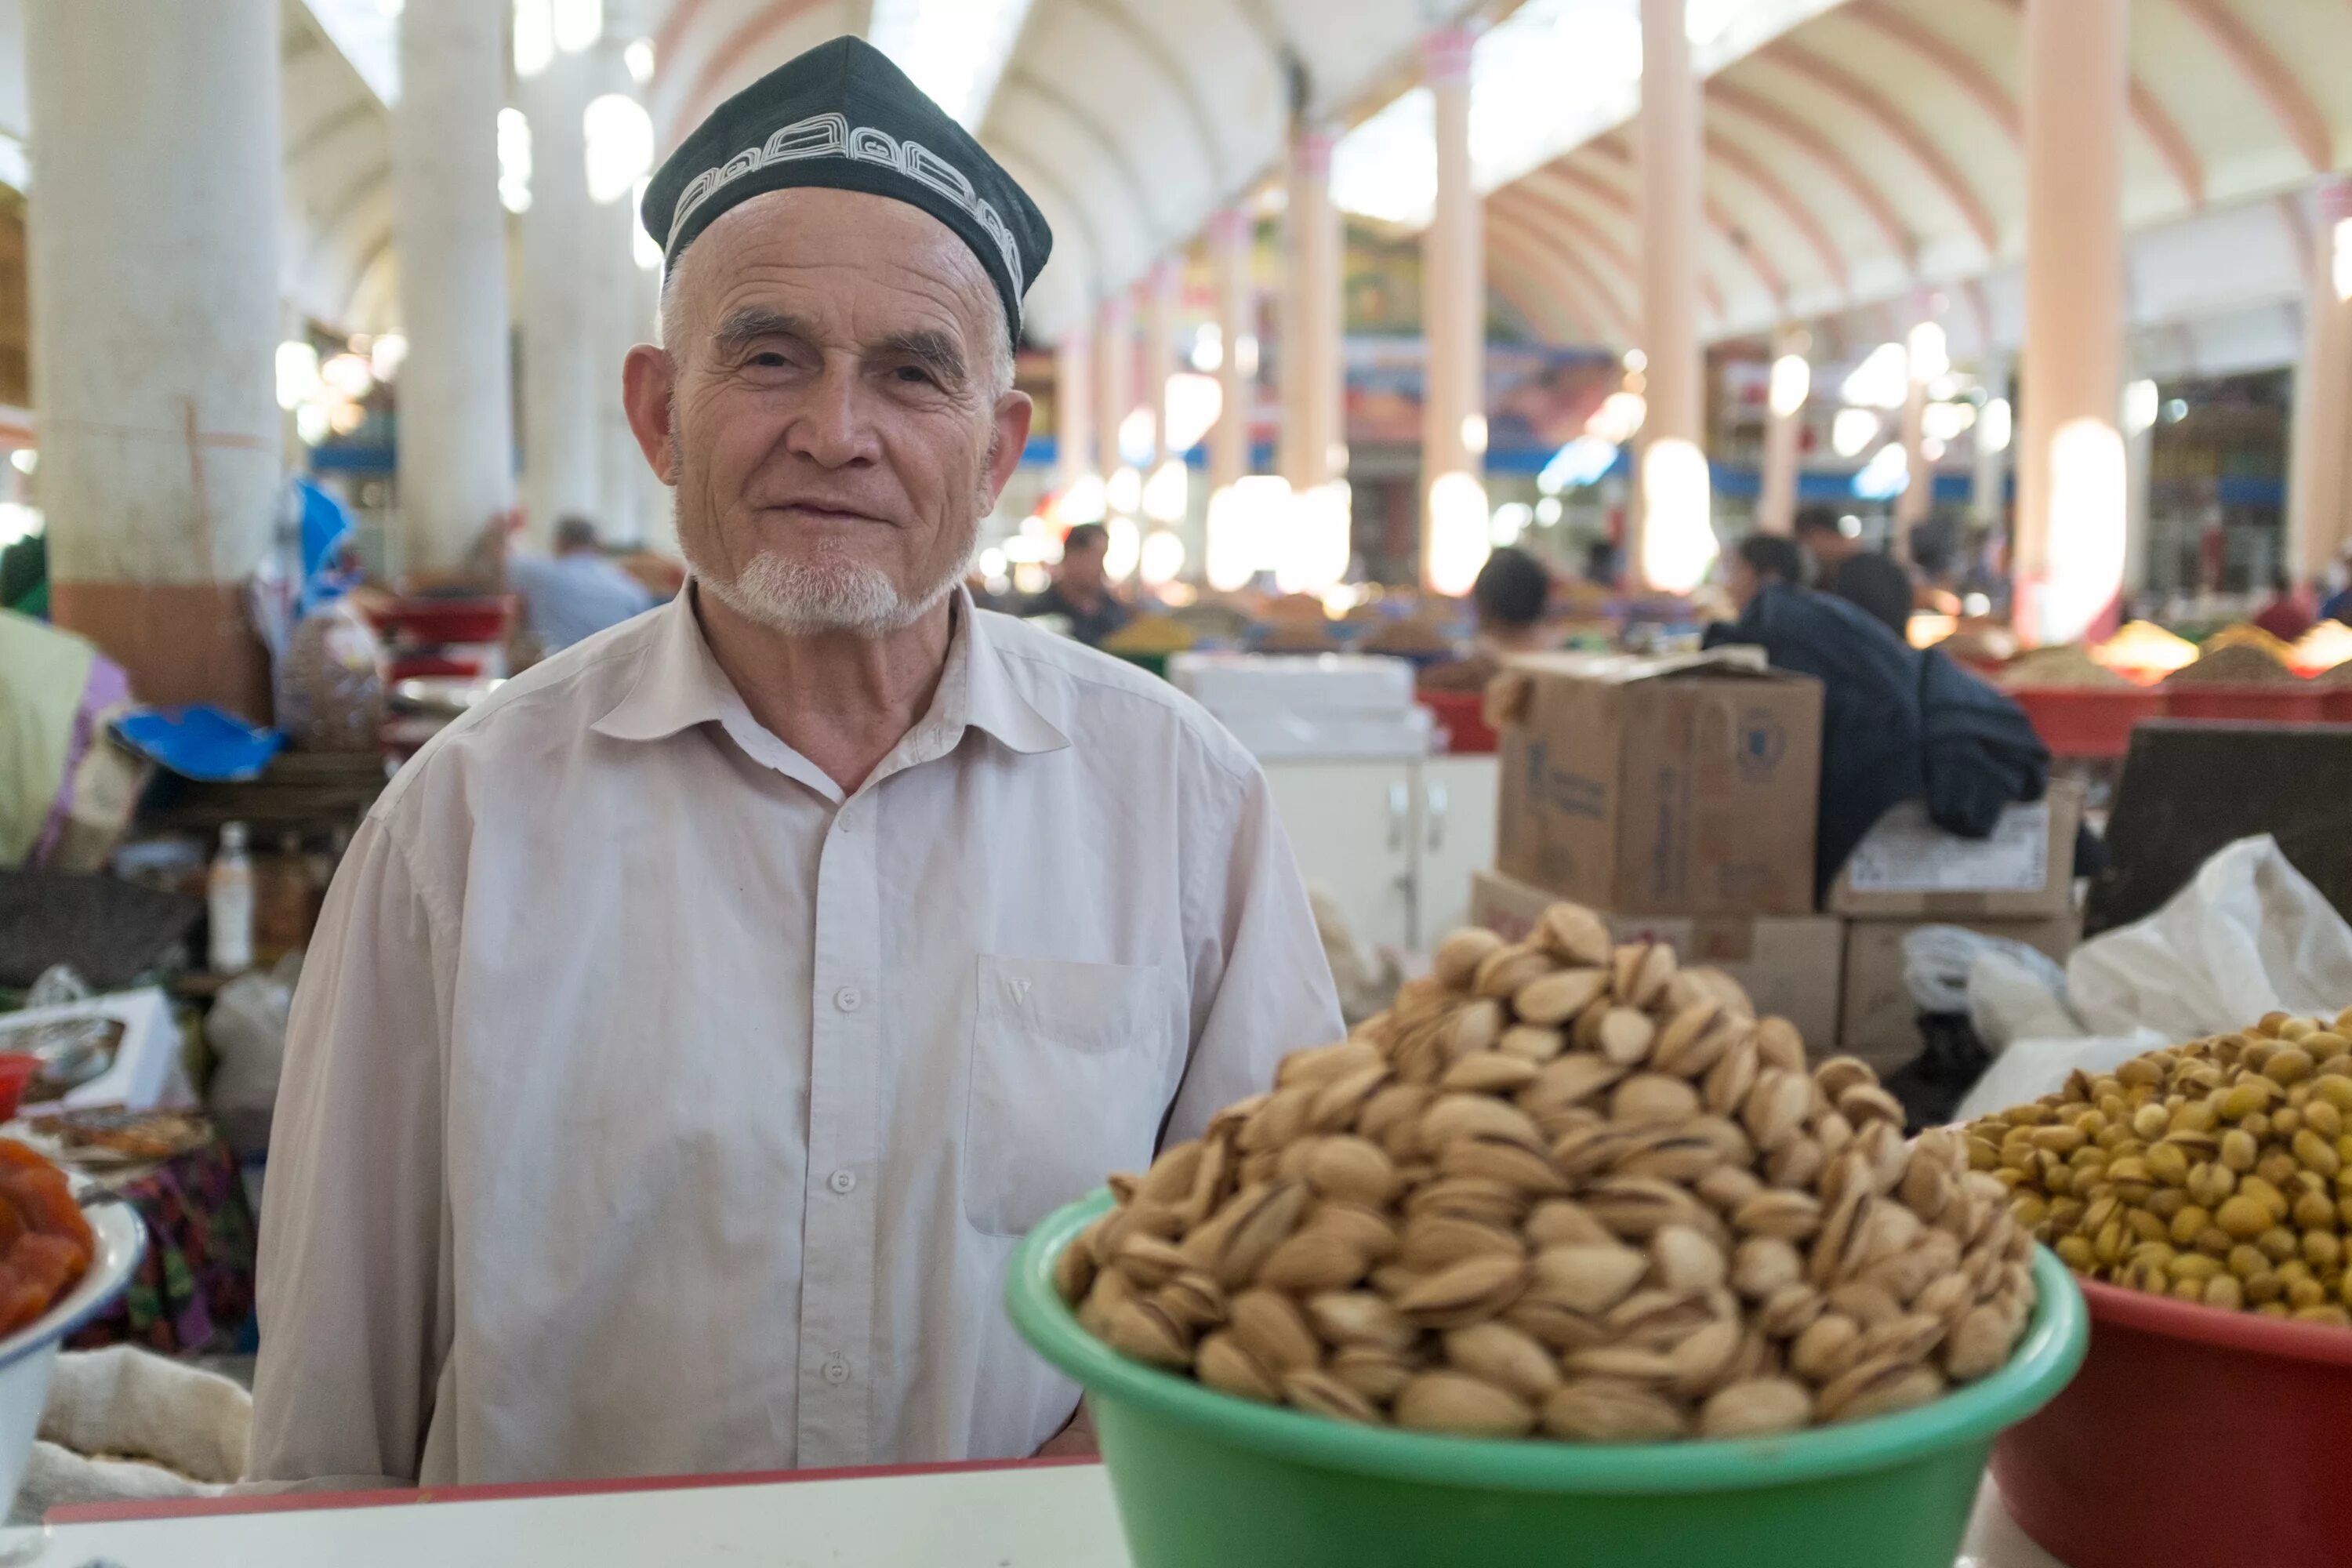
x: 2335, y: 703
x: 2086, y: 721
x: 2193, y: 1438
x: 427, y: 621
x: 2286, y: 702
x: 1462, y: 713
x: 17, y: 1070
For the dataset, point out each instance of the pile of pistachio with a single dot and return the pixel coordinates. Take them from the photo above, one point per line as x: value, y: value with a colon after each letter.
x: 2218, y: 1172
x: 1563, y: 1186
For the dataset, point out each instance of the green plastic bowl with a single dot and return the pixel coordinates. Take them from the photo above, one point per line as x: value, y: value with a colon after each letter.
x: 1207, y: 1480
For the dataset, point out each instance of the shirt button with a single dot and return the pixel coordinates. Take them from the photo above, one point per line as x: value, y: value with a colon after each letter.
x: 836, y: 1371
x: 843, y: 1182
x: 847, y: 999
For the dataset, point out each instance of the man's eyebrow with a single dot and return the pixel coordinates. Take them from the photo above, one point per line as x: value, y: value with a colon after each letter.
x: 935, y: 351
x: 744, y: 327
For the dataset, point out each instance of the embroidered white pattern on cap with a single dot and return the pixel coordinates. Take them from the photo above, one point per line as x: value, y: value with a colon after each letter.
x: 830, y: 135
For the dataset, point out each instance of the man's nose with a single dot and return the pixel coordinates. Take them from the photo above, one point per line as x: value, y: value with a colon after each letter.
x: 833, y: 428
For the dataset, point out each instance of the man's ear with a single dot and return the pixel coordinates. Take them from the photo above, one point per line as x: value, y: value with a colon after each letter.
x: 1012, y: 417
x: 649, y: 383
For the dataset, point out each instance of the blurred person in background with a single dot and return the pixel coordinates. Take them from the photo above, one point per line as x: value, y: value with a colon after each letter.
x: 1508, y: 600
x: 2288, y: 613
x: 576, y: 591
x: 1080, y: 592
x: 2338, y: 605
x: 1763, y: 558
x: 1846, y: 567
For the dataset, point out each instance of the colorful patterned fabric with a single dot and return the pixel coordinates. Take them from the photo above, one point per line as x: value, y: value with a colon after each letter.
x: 194, y: 1290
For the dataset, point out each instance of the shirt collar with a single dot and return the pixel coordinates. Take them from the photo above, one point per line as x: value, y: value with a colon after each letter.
x: 679, y: 684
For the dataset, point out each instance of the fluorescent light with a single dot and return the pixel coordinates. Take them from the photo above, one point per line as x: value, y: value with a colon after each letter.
x: 1474, y: 434
x: 514, y: 161
x: 1883, y: 379
x: 954, y: 49
x: 1311, y: 554
x: 642, y: 244
x: 534, y: 38
x: 1581, y: 462
x: 1945, y: 421
x: 1510, y: 520
x: 2087, y: 535
x: 576, y: 25
x: 386, y: 355
x: 2141, y: 405
x: 1135, y: 433
x: 1618, y: 418
x: 1459, y: 533
x: 1930, y: 352
x: 1548, y: 512
x: 639, y: 57
x: 297, y: 374
x: 1167, y: 492
x: 25, y: 459
x: 1678, y: 545
x: 1791, y: 383
x: 1124, y: 492
x: 1162, y: 558
x: 1208, y: 346
x: 620, y: 145
x: 1852, y: 430
x: 1123, y: 549
x: 1245, y: 519
x: 1193, y: 403
x: 1996, y: 425
x: 1886, y: 475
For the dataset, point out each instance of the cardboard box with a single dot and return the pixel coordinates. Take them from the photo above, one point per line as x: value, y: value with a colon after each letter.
x: 1879, y: 1022
x: 1907, y: 867
x: 1787, y: 963
x: 1680, y: 787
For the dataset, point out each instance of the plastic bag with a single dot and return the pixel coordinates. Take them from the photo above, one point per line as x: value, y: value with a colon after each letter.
x: 247, y: 1030
x: 2249, y: 936
x: 1938, y: 960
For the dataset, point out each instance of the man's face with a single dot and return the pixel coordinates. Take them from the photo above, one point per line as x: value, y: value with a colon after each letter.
x: 829, y: 415
x: 1082, y: 568
x: 1742, y: 584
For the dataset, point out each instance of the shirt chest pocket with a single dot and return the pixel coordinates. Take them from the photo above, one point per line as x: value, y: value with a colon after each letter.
x: 1070, y: 1080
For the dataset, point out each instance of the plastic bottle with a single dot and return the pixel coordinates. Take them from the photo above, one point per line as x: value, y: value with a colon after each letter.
x: 228, y: 896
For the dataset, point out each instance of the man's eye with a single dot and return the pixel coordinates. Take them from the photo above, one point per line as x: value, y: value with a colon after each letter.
x: 915, y: 375
x: 769, y: 359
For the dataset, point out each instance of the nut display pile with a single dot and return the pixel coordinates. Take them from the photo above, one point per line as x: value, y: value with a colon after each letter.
x: 2218, y: 1172
x: 1563, y: 1186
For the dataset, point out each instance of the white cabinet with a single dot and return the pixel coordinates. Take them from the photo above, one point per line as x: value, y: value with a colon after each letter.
x: 1393, y: 840
x: 1457, y: 797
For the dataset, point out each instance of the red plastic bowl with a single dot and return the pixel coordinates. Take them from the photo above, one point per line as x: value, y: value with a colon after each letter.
x: 2193, y: 1438
x: 17, y: 1070
x: 470, y: 620
x: 2086, y: 721
x: 1462, y: 715
x: 2286, y: 703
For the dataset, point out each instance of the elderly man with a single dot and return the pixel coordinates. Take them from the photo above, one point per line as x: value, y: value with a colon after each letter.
x: 695, y: 1026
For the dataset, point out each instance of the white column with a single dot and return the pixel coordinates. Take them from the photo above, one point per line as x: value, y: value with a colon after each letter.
x: 2319, y: 492
x: 457, y: 417
x: 2139, y: 474
x: 2068, y: 546
x: 1925, y: 358
x: 1671, y: 542
x: 559, y: 363
x: 1114, y: 379
x: 1165, y: 287
x: 1786, y: 390
x: 1988, y: 483
x: 154, y: 252
x: 1311, y: 446
x: 617, y: 286
x: 1230, y: 234
x: 1453, y: 324
x: 1073, y: 409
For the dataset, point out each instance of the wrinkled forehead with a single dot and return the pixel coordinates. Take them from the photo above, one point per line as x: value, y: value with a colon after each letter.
x: 853, y: 260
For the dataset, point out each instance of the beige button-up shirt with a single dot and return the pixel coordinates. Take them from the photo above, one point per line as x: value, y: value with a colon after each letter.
x: 651, y: 1107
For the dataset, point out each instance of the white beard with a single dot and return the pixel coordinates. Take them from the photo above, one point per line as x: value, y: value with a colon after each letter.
x: 798, y: 597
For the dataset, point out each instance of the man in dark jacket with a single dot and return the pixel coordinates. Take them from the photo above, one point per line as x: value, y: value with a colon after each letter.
x: 1897, y: 724
x: 1843, y: 565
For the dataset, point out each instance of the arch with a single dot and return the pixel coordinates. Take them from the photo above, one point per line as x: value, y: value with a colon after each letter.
x: 1562, y: 171
x: 1537, y: 209
x: 1605, y: 310
x: 2271, y: 78
x: 1546, y: 307
x: 1540, y: 264
x: 1752, y: 169
x: 1900, y: 127
x: 1612, y: 150
x: 1945, y: 56
x: 1171, y: 70
x: 748, y: 34
x: 1102, y: 136
x: 1824, y: 151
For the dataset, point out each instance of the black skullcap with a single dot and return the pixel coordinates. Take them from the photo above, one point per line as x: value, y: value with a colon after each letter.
x: 842, y: 115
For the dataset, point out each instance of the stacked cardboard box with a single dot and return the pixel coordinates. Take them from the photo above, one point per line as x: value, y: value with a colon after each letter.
x: 1675, y: 797
x: 1907, y: 873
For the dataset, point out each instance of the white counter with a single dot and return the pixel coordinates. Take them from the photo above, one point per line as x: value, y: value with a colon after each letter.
x: 1044, y: 1515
